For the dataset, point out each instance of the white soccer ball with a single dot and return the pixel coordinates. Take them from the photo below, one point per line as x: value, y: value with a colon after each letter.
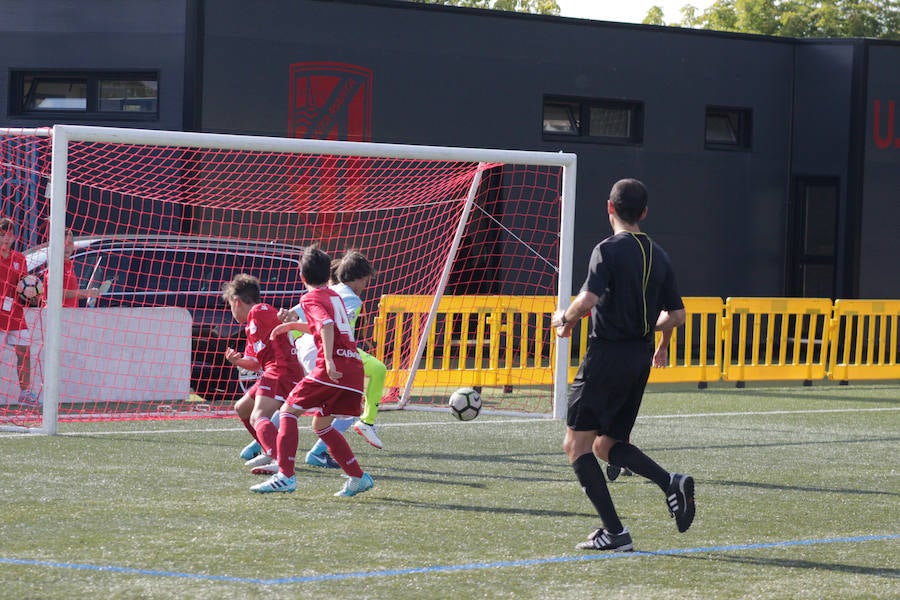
x: 30, y: 289
x: 465, y: 404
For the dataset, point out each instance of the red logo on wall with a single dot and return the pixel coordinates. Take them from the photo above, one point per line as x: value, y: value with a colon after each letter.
x: 884, y: 134
x: 330, y: 101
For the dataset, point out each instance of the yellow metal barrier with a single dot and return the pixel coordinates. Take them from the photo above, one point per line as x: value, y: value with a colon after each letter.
x: 695, y: 350
x: 507, y: 341
x: 775, y: 338
x: 474, y: 341
x: 864, y: 340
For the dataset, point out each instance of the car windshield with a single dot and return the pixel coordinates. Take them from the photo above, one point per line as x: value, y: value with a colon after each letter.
x: 153, y: 271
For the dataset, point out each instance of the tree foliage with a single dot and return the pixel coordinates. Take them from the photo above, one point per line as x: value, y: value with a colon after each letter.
x: 794, y: 18
x: 540, y: 7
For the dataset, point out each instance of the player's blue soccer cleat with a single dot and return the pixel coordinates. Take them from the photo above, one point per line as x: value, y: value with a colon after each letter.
x: 357, y: 485
x: 276, y: 483
x: 29, y: 398
x: 251, y: 450
x: 323, y: 460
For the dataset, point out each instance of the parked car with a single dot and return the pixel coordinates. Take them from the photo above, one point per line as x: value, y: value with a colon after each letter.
x: 187, y: 272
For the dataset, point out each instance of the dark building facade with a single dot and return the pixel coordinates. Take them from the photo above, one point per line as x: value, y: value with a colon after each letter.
x: 773, y: 164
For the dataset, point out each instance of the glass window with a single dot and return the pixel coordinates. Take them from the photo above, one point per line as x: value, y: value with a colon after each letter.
x: 593, y: 120
x: 47, y: 93
x: 610, y: 121
x: 275, y: 274
x: 128, y: 96
x: 818, y: 280
x: 562, y: 118
x: 92, y: 268
x: 720, y: 129
x: 95, y: 94
x: 819, y: 220
x: 728, y: 128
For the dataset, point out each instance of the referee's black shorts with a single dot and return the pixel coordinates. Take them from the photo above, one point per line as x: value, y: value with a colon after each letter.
x: 606, y: 393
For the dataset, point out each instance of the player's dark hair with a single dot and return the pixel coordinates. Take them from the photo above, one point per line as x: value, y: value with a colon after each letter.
x: 6, y: 224
x: 243, y: 287
x: 354, y: 265
x: 315, y: 265
x: 629, y: 198
x: 333, y: 276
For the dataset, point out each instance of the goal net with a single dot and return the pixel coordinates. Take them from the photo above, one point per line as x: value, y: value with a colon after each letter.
x: 465, y: 243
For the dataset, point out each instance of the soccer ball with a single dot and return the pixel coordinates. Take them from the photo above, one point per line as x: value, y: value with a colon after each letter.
x: 30, y: 289
x: 465, y: 404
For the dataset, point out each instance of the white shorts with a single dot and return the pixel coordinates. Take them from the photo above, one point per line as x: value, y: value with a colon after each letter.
x: 21, y: 337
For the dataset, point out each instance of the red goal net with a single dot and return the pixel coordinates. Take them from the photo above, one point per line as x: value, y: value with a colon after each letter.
x: 160, y: 223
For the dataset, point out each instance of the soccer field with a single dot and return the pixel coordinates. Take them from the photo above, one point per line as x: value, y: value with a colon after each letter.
x: 797, y: 497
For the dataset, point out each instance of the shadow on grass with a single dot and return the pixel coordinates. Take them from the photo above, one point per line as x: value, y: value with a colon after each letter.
x: 790, y: 563
x: 779, y: 444
x: 852, y: 395
x: 531, y: 512
x: 797, y: 488
x: 444, y: 477
x: 544, y: 460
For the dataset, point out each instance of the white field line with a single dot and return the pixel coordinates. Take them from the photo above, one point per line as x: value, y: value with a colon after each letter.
x: 454, y: 423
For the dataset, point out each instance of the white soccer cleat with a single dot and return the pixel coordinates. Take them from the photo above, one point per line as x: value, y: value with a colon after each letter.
x: 259, y: 461
x: 368, y: 432
x: 276, y: 483
x: 269, y: 469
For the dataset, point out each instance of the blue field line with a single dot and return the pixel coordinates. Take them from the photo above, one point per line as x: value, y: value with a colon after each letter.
x: 445, y: 568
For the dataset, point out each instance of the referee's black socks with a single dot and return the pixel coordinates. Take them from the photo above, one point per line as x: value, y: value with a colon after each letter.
x: 624, y: 454
x: 590, y: 475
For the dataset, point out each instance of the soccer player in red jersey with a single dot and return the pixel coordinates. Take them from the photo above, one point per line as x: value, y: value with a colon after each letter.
x: 71, y: 293
x: 273, y: 356
x: 13, y: 327
x: 333, y: 388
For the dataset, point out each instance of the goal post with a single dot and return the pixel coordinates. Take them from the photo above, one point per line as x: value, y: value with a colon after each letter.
x: 466, y: 243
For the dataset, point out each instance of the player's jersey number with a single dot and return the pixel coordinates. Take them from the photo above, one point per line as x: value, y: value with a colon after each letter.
x: 341, y: 320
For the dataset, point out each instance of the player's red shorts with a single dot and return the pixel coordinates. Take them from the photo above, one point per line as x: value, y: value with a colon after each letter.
x: 272, y: 386
x: 315, y: 397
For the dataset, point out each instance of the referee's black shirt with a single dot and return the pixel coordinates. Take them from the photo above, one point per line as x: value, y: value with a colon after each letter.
x: 633, y: 277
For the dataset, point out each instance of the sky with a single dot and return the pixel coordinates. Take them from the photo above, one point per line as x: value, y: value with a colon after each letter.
x: 625, y: 11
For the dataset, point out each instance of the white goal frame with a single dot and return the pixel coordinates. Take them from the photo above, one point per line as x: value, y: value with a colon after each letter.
x: 63, y: 134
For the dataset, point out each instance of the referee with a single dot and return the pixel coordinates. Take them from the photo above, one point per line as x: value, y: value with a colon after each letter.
x: 630, y: 292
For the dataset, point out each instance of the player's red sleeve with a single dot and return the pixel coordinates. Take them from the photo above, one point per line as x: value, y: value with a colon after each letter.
x: 317, y: 314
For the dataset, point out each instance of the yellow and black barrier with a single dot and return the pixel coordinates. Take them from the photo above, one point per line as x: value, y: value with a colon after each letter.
x: 864, y: 340
x: 473, y: 341
x: 507, y: 341
x: 775, y: 339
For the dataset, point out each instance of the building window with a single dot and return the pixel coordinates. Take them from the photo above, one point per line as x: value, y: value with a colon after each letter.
x: 593, y: 120
x: 562, y: 118
x: 728, y: 128
x: 94, y: 94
